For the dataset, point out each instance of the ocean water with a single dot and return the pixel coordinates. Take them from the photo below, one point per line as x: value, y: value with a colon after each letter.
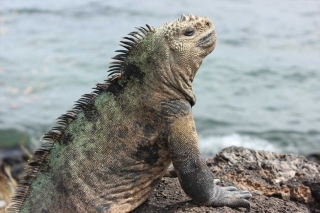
x: 260, y: 88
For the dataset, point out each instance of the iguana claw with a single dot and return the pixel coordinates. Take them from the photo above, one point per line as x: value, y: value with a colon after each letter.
x: 216, y: 181
x: 230, y: 196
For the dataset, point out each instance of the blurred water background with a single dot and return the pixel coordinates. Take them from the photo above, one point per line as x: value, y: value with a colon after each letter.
x: 260, y: 88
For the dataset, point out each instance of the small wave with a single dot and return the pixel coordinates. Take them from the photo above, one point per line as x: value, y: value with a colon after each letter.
x: 209, y: 146
x: 31, y: 11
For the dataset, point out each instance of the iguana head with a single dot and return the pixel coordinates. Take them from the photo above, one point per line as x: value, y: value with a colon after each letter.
x: 171, y: 54
x: 190, y: 39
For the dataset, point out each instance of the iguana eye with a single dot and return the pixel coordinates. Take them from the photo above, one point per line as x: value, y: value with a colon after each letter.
x: 189, y: 32
x: 208, y: 24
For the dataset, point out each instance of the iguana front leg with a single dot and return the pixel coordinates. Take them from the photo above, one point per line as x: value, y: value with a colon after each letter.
x: 194, y: 175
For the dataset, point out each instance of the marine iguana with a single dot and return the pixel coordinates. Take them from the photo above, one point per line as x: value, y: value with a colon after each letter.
x: 110, y: 151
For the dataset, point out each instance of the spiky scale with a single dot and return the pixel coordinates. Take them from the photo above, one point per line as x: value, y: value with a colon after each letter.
x: 134, y: 34
x: 125, y: 46
x: 144, y: 29
x: 131, y: 44
x: 62, y: 122
x: 116, y: 68
x: 122, y: 56
x: 116, y: 62
x: 102, y: 87
x: 116, y: 65
x: 149, y: 27
x: 114, y: 72
x: 141, y: 30
x: 130, y: 39
x: 122, y: 51
x: 118, y: 57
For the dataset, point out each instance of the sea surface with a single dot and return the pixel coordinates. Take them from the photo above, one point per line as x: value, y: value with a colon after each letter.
x: 260, y: 88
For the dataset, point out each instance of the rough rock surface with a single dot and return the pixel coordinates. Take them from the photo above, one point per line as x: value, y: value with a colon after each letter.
x: 278, y: 183
x: 12, y: 162
x: 315, y: 157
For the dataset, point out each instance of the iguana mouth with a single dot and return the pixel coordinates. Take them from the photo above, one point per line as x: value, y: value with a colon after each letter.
x: 207, y: 40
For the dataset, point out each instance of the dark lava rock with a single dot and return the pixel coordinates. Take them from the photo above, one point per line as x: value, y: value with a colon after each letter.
x: 315, y: 157
x: 278, y: 183
x: 15, y: 158
x: 12, y: 163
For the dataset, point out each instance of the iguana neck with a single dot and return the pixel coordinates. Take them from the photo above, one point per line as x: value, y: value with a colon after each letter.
x: 161, y: 73
x: 178, y: 77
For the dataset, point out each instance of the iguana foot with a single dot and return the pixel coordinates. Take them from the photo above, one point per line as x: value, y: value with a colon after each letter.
x: 230, y: 196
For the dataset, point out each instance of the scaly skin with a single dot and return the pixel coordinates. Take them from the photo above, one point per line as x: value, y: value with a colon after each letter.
x: 111, y: 150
